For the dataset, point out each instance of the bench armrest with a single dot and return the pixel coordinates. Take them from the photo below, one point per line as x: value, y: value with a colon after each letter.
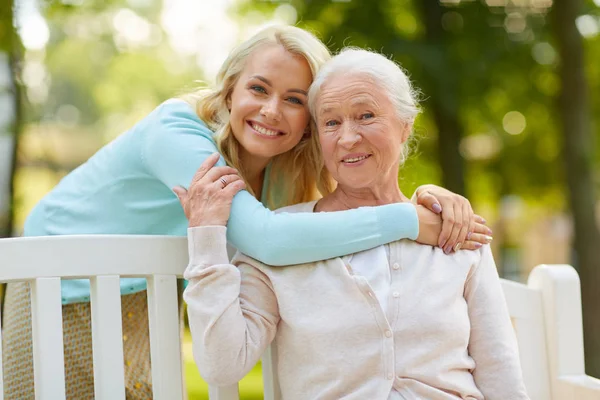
x: 578, y: 387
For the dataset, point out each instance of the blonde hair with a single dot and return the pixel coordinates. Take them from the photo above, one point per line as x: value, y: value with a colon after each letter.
x: 297, y: 174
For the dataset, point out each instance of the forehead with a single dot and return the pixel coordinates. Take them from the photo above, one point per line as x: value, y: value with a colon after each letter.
x: 275, y: 61
x: 347, y: 90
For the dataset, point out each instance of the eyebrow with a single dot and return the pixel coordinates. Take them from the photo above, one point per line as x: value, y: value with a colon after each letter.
x: 268, y: 82
x: 326, y: 110
x: 356, y: 103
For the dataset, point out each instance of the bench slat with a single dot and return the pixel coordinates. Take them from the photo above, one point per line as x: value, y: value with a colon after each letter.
x: 165, y: 343
x: 47, y: 334
x: 1, y: 367
x: 107, y: 333
x: 224, y: 393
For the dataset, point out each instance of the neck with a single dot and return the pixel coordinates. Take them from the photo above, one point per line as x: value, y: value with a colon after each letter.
x: 254, y: 171
x: 346, y: 198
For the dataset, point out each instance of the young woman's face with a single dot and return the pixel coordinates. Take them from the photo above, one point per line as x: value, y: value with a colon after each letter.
x: 268, y: 104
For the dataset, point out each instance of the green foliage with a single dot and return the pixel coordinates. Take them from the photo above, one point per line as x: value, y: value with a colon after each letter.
x: 491, y: 61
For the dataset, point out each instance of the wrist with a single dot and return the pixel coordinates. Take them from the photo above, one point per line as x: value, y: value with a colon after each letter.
x: 197, y: 222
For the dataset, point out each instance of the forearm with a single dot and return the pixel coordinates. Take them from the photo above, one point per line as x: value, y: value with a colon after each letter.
x: 294, y: 238
x: 227, y: 340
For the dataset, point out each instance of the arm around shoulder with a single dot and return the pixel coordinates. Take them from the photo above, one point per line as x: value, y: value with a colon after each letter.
x: 295, y: 238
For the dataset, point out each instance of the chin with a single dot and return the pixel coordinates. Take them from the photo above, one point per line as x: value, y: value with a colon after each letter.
x: 261, y: 152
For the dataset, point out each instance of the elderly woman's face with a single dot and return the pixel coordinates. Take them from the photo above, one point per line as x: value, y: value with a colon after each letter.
x: 360, y: 133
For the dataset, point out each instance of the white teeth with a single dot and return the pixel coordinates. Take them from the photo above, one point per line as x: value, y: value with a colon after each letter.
x: 356, y: 159
x: 264, y: 131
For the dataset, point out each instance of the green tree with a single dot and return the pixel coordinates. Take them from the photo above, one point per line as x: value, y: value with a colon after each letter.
x: 10, y: 50
x: 578, y: 150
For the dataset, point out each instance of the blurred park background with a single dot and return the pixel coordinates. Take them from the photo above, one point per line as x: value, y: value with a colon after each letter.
x: 510, y: 87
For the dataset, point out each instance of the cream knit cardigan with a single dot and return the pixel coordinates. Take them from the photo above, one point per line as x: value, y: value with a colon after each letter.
x: 446, y: 334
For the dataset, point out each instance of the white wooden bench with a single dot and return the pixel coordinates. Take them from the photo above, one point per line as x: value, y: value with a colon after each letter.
x: 546, y: 315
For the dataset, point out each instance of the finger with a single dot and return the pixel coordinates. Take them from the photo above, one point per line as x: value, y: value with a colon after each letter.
x: 179, y: 191
x: 217, y: 172
x: 471, y: 245
x: 480, y: 228
x: 206, y: 165
x: 479, y: 219
x: 181, y: 194
x: 225, y: 180
x: 468, y: 221
x: 233, y: 188
x: 480, y: 238
x: 429, y: 201
x: 447, y: 224
x: 456, y: 230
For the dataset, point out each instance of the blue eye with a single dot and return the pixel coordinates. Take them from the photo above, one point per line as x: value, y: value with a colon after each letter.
x: 331, y: 123
x: 367, y: 116
x: 258, y: 88
x: 295, y: 100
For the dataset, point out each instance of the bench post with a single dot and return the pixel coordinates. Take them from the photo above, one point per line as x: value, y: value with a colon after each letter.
x: 47, y: 335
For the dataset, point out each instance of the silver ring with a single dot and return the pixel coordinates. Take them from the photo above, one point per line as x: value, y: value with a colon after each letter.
x: 223, y: 181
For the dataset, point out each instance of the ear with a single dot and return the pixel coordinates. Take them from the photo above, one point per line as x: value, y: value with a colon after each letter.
x: 406, y: 131
x: 228, y: 102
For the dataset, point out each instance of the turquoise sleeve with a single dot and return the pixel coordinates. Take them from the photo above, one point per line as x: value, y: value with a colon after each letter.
x: 177, y: 142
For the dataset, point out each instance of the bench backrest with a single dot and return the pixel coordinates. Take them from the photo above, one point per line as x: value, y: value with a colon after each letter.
x: 546, y: 314
x: 43, y: 261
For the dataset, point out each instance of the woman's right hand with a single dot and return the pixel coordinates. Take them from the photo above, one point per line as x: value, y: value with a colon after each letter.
x: 208, y: 199
x: 430, y: 228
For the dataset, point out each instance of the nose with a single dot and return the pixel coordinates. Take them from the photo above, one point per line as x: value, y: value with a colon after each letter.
x: 349, y: 136
x: 271, y: 110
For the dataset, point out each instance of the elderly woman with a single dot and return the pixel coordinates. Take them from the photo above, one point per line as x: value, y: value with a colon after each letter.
x: 400, y: 321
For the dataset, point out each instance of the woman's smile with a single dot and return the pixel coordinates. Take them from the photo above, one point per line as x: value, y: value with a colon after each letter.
x: 355, y: 159
x: 264, y: 131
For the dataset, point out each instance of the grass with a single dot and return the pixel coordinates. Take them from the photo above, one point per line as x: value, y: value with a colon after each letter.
x: 251, y: 387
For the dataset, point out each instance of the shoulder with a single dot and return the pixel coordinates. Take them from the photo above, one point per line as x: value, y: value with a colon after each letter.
x: 174, y: 109
x: 470, y: 259
x: 175, y: 119
x: 309, y: 206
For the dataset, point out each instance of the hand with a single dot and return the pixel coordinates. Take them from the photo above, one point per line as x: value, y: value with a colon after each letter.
x: 208, y: 200
x: 430, y: 228
x: 461, y: 227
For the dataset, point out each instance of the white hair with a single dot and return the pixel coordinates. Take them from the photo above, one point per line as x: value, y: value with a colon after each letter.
x: 384, y: 72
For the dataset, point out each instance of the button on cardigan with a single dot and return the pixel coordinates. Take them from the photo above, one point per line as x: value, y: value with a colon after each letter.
x: 445, y: 335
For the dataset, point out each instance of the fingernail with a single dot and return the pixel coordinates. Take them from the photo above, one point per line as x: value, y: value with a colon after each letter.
x: 489, y: 239
x: 457, y: 247
x: 483, y: 221
x: 477, y: 245
x: 489, y: 232
x: 437, y: 208
x: 442, y: 243
x: 447, y: 250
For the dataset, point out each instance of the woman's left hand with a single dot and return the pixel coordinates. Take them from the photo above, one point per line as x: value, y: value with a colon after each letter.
x: 461, y: 227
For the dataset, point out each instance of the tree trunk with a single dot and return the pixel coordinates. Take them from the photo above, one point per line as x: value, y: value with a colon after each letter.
x: 444, y: 99
x: 10, y: 50
x: 574, y: 112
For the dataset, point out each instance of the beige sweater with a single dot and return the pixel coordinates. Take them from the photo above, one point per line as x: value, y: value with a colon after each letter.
x: 446, y: 333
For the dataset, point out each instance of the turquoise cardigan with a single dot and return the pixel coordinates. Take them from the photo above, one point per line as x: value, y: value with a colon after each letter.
x: 126, y: 188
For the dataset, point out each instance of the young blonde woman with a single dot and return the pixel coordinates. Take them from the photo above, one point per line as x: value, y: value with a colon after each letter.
x: 257, y: 118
